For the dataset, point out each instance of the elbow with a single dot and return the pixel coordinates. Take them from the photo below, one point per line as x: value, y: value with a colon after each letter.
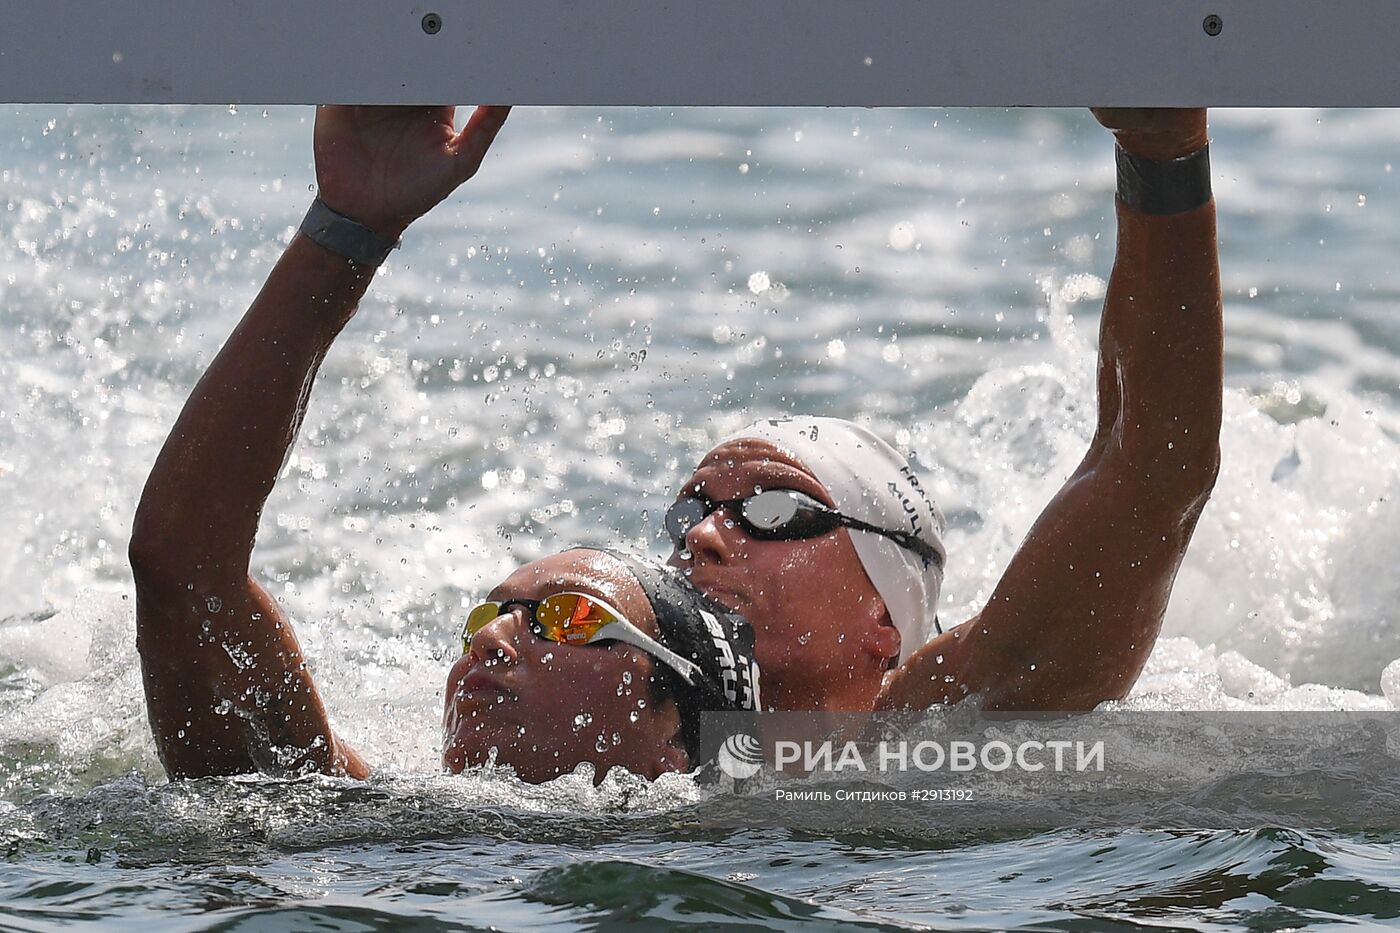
x: 1172, y: 477
x: 172, y: 556
x: 1201, y: 473
x: 1180, y: 497
x: 148, y: 550
x: 144, y: 555
x: 1192, y: 452
x: 160, y: 558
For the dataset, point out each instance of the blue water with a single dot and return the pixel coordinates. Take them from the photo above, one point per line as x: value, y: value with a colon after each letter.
x: 540, y: 365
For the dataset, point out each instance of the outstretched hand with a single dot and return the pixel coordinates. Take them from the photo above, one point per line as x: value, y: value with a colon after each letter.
x: 387, y: 166
x: 1156, y: 132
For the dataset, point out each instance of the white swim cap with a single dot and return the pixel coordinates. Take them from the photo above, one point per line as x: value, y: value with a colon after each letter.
x: 869, y: 480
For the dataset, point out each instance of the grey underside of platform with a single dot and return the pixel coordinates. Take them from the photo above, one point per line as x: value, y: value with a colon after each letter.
x: 717, y: 52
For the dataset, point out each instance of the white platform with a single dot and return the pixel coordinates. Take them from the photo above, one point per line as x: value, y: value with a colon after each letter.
x: 667, y: 52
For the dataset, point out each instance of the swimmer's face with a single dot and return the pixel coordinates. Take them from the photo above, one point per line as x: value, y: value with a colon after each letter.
x: 545, y: 707
x: 819, y: 624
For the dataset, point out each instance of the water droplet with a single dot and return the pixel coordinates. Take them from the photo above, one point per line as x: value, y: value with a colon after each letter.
x: 582, y: 720
x: 214, y: 603
x: 804, y: 638
x: 601, y: 745
x: 627, y: 677
x: 634, y: 716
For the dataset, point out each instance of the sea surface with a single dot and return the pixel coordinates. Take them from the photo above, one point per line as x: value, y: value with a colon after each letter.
x: 540, y: 365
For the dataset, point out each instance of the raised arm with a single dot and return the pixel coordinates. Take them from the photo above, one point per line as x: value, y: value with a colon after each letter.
x: 1077, y: 612
x: 227, y: 688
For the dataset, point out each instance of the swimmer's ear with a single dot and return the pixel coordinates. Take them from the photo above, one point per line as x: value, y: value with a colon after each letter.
x: 882, y: 638
x: 885, y: 642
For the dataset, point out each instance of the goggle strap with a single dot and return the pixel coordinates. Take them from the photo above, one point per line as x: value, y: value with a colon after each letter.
x: 902, y: 538
x: 617, y: 630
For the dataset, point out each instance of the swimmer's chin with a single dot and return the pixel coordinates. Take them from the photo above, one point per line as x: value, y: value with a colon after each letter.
x: 474, y: 742
x: 460, y: 756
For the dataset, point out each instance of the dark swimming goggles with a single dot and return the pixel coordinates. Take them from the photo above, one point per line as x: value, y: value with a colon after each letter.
x: 781, y: 515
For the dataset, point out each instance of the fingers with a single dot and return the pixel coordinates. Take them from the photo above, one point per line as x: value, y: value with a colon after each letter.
x: 1148, y: 119
x: 476, y: 137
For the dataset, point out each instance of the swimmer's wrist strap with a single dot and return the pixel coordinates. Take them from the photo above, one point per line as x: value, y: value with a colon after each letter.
x: 346, y: 237
x: 1173, y: 186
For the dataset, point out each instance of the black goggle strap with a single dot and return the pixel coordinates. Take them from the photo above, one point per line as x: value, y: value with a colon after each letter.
x: 903, y: 538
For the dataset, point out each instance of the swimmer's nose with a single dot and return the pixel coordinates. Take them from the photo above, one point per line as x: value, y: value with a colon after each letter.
x: 709, y: 541
x: 498, y: 641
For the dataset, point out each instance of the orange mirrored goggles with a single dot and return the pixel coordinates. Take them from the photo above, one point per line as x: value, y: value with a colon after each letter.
x: 577, y: 619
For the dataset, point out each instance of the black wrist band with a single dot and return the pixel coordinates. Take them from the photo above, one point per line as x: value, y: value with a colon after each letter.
x: 346, y: 237
x: 1171, y: 187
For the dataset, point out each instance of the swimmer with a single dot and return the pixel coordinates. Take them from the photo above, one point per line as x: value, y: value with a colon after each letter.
x: 841, y: 576
x: 839, y: 624
x: 583, y: 656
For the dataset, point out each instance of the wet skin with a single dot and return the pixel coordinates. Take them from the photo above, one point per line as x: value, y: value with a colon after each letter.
x: 823, y: 636
x: 543, y: 707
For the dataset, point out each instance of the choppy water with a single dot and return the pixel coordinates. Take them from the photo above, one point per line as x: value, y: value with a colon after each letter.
x: 540, y: 366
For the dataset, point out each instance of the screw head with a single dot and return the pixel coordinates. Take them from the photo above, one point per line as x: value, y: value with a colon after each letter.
x: 432, y: 24
x: 1212, y: 25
